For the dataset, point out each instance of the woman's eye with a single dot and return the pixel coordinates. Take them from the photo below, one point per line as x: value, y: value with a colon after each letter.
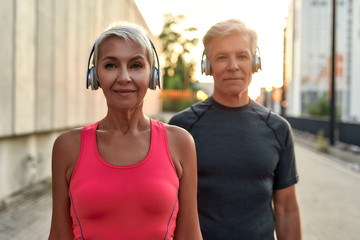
x: 110, y: 65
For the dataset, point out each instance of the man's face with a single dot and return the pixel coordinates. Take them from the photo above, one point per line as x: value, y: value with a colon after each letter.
x: 231, y: 64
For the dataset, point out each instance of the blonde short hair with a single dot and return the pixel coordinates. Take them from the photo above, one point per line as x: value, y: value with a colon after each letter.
x: 227, y: 28
x: 128, y: 32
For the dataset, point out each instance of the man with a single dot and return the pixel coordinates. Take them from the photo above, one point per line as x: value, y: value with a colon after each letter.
x: 246, y: 163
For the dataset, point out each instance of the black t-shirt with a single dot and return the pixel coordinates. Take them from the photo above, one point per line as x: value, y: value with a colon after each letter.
x: 243, y: 154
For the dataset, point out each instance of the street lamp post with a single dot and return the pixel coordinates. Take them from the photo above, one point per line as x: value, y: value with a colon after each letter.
x: 332, y: 87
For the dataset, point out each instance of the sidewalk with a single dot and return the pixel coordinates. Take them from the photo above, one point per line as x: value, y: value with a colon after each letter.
x: 27, y: 215
x: 341, y: 152
x: 328, y: 195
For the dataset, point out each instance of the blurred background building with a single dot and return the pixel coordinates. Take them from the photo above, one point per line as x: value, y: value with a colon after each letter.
x: 45, y: 45
x: 307, y: 57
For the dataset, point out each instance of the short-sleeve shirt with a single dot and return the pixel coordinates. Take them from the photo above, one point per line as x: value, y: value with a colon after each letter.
x: 243, y: 154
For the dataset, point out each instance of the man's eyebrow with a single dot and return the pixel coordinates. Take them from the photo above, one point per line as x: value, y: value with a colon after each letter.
x: 219, y: 54
x: 241, y: 51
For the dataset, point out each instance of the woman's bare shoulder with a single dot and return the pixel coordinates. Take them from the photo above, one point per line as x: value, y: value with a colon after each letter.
x: 181, y: 146
x: 66, y: 151
x: 69, y: 139
x: 179, y: 134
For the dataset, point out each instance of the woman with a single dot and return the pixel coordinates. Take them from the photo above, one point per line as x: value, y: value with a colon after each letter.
x: 126, y: 176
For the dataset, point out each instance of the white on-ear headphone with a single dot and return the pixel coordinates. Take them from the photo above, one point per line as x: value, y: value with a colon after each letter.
x: 91, y: 77
x: 206, y: 67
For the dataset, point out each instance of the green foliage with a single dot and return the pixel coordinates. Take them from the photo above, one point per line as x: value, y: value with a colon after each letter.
x: 176, y: 105
x: 176, y: 70
x: 320, y: 108
x: 174, y: 82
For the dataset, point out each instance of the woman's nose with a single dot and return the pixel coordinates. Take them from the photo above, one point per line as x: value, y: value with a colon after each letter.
x: 124, y: 75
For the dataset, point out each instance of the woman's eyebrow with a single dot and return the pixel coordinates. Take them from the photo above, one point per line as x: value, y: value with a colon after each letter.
x: 138, y: 57
x: 131, y: 59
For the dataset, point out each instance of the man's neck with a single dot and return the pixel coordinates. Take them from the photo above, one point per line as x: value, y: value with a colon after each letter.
x: 232, y: 101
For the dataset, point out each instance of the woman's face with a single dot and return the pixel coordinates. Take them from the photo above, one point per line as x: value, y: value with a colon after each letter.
x: 123, y: 71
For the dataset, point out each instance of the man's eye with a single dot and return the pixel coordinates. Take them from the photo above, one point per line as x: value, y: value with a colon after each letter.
x: 220, y: 58
x: 136, y: 65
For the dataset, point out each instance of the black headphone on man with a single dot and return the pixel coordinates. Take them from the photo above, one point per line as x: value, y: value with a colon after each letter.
x: 92, y: 80
x: 206, y: 67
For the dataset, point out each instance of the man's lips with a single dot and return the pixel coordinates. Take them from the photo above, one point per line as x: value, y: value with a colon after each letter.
x: 233, y: 78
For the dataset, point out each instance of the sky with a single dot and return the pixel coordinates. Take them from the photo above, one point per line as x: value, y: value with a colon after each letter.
x: 266, y: 17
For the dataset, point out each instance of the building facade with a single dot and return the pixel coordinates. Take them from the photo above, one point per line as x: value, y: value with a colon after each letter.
x: 45, y: 45
x: 307, y: 73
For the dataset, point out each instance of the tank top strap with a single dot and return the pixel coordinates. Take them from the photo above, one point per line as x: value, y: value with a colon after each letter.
x: 88, y: 137
x: 158, y: 135
x: 88, y: 143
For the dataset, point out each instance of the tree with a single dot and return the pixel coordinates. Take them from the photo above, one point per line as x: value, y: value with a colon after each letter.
x: 177, y: 73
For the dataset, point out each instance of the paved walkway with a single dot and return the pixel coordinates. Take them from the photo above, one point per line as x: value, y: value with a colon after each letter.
x: 28, y: 215
x: 328, y: 194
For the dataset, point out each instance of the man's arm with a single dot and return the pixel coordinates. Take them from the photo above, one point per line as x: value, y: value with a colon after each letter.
x: 287, y: 214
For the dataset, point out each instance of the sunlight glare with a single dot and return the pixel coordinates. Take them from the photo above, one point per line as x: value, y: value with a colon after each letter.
x: 267, y: 18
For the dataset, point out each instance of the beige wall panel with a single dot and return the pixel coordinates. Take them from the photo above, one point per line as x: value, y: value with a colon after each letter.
x: 60, y: 105
x: 6, y: 67
x: 25, y: 66
x: 44, y: 65
x: 83, y: 37
x: 115, y: 11
x: 72, y: 61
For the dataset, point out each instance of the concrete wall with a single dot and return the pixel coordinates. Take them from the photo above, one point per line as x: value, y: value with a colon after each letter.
x: 44, y: 48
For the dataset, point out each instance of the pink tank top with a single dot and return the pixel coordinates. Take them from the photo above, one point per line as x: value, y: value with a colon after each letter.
x: 132, y: 202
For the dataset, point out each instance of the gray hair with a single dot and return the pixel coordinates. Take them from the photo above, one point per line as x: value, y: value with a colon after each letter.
x: 227, y: 28
x: 128, y: 32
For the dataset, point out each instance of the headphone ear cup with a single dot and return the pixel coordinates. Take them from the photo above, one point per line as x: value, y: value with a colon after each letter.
x: 256, y: 64
x: 155, y: 78
x: 205, y: 66
x: 155, y: 72
x: 152, y: 83
x: 92, y: 79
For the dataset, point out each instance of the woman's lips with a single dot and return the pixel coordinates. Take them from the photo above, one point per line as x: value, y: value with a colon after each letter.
x: 124, y: 92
